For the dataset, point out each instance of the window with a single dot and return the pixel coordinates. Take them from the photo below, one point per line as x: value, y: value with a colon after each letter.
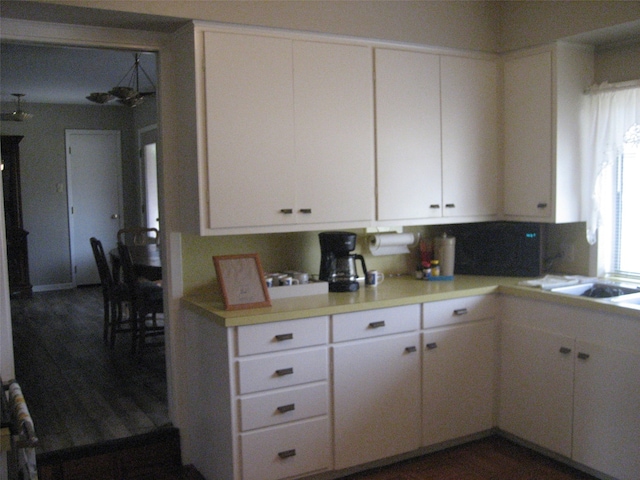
x: 626, y: 203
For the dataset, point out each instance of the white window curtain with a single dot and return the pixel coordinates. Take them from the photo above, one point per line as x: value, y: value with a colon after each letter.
x: 609, y: 113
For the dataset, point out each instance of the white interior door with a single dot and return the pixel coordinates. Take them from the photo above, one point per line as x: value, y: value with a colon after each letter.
x: 94, y: 171
x: 149, y: 169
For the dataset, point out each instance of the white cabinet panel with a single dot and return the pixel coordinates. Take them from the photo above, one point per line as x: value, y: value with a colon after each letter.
x: 287, y: 451
x: 277, y: 336
x: 458, y: 381
x: 376, y: 398
x: 334, y: 144
x: 260, y: 373
x: 409, y: 154
x: 250, y: 129
x: 374, y: 323
x: 458, y: 310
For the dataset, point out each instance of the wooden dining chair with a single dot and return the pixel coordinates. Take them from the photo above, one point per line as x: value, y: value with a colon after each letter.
x: 138, y: 236
x: 146, y: 307
x: 116, y: 297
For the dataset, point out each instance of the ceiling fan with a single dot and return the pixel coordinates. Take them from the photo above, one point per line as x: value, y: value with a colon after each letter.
x: 18, y: 115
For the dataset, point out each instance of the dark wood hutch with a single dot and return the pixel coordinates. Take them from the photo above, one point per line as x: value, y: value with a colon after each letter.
x: 17, y: 254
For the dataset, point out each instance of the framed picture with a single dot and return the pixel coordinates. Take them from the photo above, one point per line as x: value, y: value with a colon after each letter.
x: 242, y: 281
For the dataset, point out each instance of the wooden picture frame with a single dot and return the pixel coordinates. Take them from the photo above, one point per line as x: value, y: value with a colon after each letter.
x: 242, y: 281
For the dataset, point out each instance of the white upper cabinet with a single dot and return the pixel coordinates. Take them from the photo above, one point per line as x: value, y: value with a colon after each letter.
x: 289, y: 133
x: 543, y: 91
x: 334, y: 130
x: 437, y: 137
x: 470, y: 157
x: 250, y: 136
x: 409, y: 155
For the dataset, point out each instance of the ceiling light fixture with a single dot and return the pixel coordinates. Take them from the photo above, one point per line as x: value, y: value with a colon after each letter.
x: 18, y: 115
x: 129, y: 93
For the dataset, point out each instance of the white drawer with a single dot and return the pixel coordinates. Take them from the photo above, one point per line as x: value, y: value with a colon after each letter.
x: 458, y: 310
x: 283, y: 406
x: 373, y: 323
x: 276, y: 336
x: 266, y: 372
x: 286, y: 451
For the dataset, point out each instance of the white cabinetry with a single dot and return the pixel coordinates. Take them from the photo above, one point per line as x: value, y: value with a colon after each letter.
x: 543, y: 91
x: 459, y: 368
x: 259, y: 399
x: 569, y: 383
x: 437, y: 137
x: 376, y: 374
x: 289, y: 133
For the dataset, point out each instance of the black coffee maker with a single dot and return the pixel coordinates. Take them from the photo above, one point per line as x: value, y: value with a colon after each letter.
x: 337, y: 264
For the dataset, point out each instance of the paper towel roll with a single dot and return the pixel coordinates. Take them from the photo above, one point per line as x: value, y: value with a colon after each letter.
x: 390, y: 243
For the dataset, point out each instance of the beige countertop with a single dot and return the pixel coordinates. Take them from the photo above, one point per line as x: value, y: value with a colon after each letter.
x: 391, y: 293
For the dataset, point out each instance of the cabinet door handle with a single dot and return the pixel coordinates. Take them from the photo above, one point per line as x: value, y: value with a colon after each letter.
x: 284, y: 336
x: 287, y: 453
x: 284, y: 371
x: 450, y: 205
x: 306, y: 211
x: 542, y: 205
x: 431, y: 346
x: 583, y: 356
x: 286, y: 408
x: 434, y: 205
x: 410, y: 349
x: 565, y: 350
x: 460, y: 311
x: 377, y: 324
x: 286, y: 211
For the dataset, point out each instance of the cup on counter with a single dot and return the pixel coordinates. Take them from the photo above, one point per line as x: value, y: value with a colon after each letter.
x: 374, y: 278
x: 302, y: 277
x: 269, y: 281
x: 288, y: 281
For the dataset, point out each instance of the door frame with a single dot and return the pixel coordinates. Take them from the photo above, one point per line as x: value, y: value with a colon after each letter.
x: 70, y: 202
x: 43, y: 33
x: 142, y: 133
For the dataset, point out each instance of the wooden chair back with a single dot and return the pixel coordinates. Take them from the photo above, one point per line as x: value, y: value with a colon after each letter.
x: 139, y: 236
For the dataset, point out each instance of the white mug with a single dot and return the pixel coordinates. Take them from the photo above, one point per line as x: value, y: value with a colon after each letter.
x: 374, y: 277
x: 286, y: 281
x: 302, y: 277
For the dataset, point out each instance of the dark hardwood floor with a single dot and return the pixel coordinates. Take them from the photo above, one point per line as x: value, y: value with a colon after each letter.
x: 80, y: 392
x: 492, y: 458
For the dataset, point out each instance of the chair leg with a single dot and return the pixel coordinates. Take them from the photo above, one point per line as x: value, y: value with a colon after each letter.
x: 107, y: 320
x: 135, y: 328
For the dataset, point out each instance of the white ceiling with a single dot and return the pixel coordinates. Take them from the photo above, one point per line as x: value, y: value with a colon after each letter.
x: 52, y: 74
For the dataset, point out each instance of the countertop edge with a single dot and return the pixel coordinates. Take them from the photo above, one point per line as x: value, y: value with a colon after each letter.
x: 402, y: 292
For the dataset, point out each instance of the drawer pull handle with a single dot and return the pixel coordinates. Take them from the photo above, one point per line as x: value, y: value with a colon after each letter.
x: 287, y: 453
x: 431, y: 346
x: 376, y: 324
x: 306, y: 211
x: 287, y: 408
x: 410, y: 349
x: 460, y: 311
x: 284, y: 336
x: 583, y: 356
x: 284, y: 371
x: 450, y: 205
x: 542, y: 205
x: 434, y: 205
x: 565, y: 350
x: 286, y: 211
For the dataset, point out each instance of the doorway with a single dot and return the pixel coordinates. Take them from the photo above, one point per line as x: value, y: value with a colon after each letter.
x: 94, y: 180
x: 147, y: 140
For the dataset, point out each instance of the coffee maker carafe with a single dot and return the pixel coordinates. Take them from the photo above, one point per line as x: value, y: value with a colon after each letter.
x: 337, y: 264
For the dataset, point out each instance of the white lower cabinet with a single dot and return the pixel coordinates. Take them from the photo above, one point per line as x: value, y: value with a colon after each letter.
x: 458, y: 381
x: 376, y: 385
x: 569, y: 383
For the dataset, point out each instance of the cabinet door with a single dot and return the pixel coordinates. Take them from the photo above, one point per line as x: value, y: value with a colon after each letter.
x: 606, y: 433
x: 459, y: 381
x: 409, y: 159
x: 249, y: 117
x: 334, y: 145
x: 536, y: 398
x: 376, y: 398
x: 528, y: 136
x: 469, y: 136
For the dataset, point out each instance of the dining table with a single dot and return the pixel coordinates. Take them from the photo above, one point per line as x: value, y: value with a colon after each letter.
x: 145, y: 258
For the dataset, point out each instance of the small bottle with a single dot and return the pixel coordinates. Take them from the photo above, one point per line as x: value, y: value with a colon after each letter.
x: 426, y: 270
x: 435, y: 268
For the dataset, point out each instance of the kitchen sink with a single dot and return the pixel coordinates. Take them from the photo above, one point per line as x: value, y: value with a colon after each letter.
x: 598, y: 290
x: 629, y: 301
